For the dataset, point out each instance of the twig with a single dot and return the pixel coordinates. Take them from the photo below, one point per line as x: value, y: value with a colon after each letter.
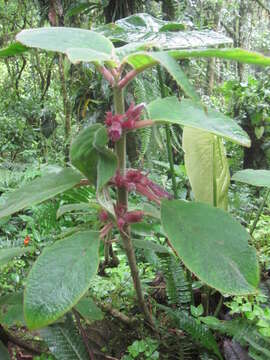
x: 130, y: 321
x: 21, y: 343
x: 83, y: 334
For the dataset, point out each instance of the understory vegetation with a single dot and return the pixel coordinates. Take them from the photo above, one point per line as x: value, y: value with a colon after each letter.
x: 134, y: 181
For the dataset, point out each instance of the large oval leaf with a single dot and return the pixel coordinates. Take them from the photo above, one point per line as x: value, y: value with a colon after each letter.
x: 192, y: 114
x: 212, y: 245
x: 240, y: 55
x: 43, y: 188
x: 89, y: 154
x: 83, y: 42
x: 60, y: 277
x: 207, y: 167
x: 253, y: 177
x: 145, y: 28
x: 143, y: 60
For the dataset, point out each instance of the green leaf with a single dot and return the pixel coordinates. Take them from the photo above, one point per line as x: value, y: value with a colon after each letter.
x: 85, y: 43
x: 8, y: 254
x: 77, y: 9
x: 212, y: 245
x: 143, y: 60
x: 60, y: 277
x: 83, y: 154
x: 89, y: 310
x: 253, y: 177
x: 107, y: 160
x: 176, y: 72
x: 140, y: 62
x: 76, y: 55
x: 145, y: 28
x: 191, y: 114
x: 4, y: 355
x: 240, y: 55
x: 13, y: 50
x: 173, y: 27
x: 207, y: 167
x: 64, y: 341
x: 89, y: 154
x: 11, y: 310
x: 41, y: 189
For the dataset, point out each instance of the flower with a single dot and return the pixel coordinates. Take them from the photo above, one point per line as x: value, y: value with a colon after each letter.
x: 123, y: 217
x: 117, y: 123
x: 26, y: 240
x: 103, y: 216
x: 134, y: 180
x: 127, y: 217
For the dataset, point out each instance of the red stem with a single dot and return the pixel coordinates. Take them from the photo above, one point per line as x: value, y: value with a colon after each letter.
x: 143, y: 123
x: 107, y: 74
x: 127, y: 78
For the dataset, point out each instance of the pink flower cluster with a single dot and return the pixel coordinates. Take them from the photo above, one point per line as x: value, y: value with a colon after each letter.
x: 134, y: 180
x: 123, y: 217
x: 117, y: 123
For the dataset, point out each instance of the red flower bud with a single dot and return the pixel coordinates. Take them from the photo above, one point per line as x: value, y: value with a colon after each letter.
x: 103, y: 216
x: 26, y: 240
x: 115, y: 131
x: 132, y: 217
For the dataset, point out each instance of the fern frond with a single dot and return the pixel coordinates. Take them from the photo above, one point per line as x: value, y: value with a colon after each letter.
x: 246, y: 334
x: 198, y: 332
x: 177, y: 286
x: 64, y: 341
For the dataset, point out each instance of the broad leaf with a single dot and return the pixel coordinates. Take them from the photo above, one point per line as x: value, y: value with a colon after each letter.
x: 83, y: 154
x: 89, y: 310
x: 41, y: 189
x: 253, y: 177
x: 11, y: 310
x: 84, y: 43
x: 176, y: 72
x: 89, y: 154
x: 60, y: 277
x: 212, y: 245
x: 76, y: 55
x: 191, y: 114
x: 207, y: 167
x: 143, y: 60
x: 107, y: 160
x: 140, y: 62
x: 236, y: 54
x: 8, y: 254
x: 145, y: 28
x: 64, y: 341
x: 13, y: 50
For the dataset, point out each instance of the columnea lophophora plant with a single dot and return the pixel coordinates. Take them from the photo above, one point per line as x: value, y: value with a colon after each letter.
x: 211, y: 244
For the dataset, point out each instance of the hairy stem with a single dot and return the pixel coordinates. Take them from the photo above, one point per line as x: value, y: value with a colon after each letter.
x: 122, y: 197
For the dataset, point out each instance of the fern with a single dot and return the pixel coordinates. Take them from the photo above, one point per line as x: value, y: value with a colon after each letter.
x: 146, y: 89
x: 64, y: 341
x: 198, y: 332
x: 177, y: 287
x: 245, y: 333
